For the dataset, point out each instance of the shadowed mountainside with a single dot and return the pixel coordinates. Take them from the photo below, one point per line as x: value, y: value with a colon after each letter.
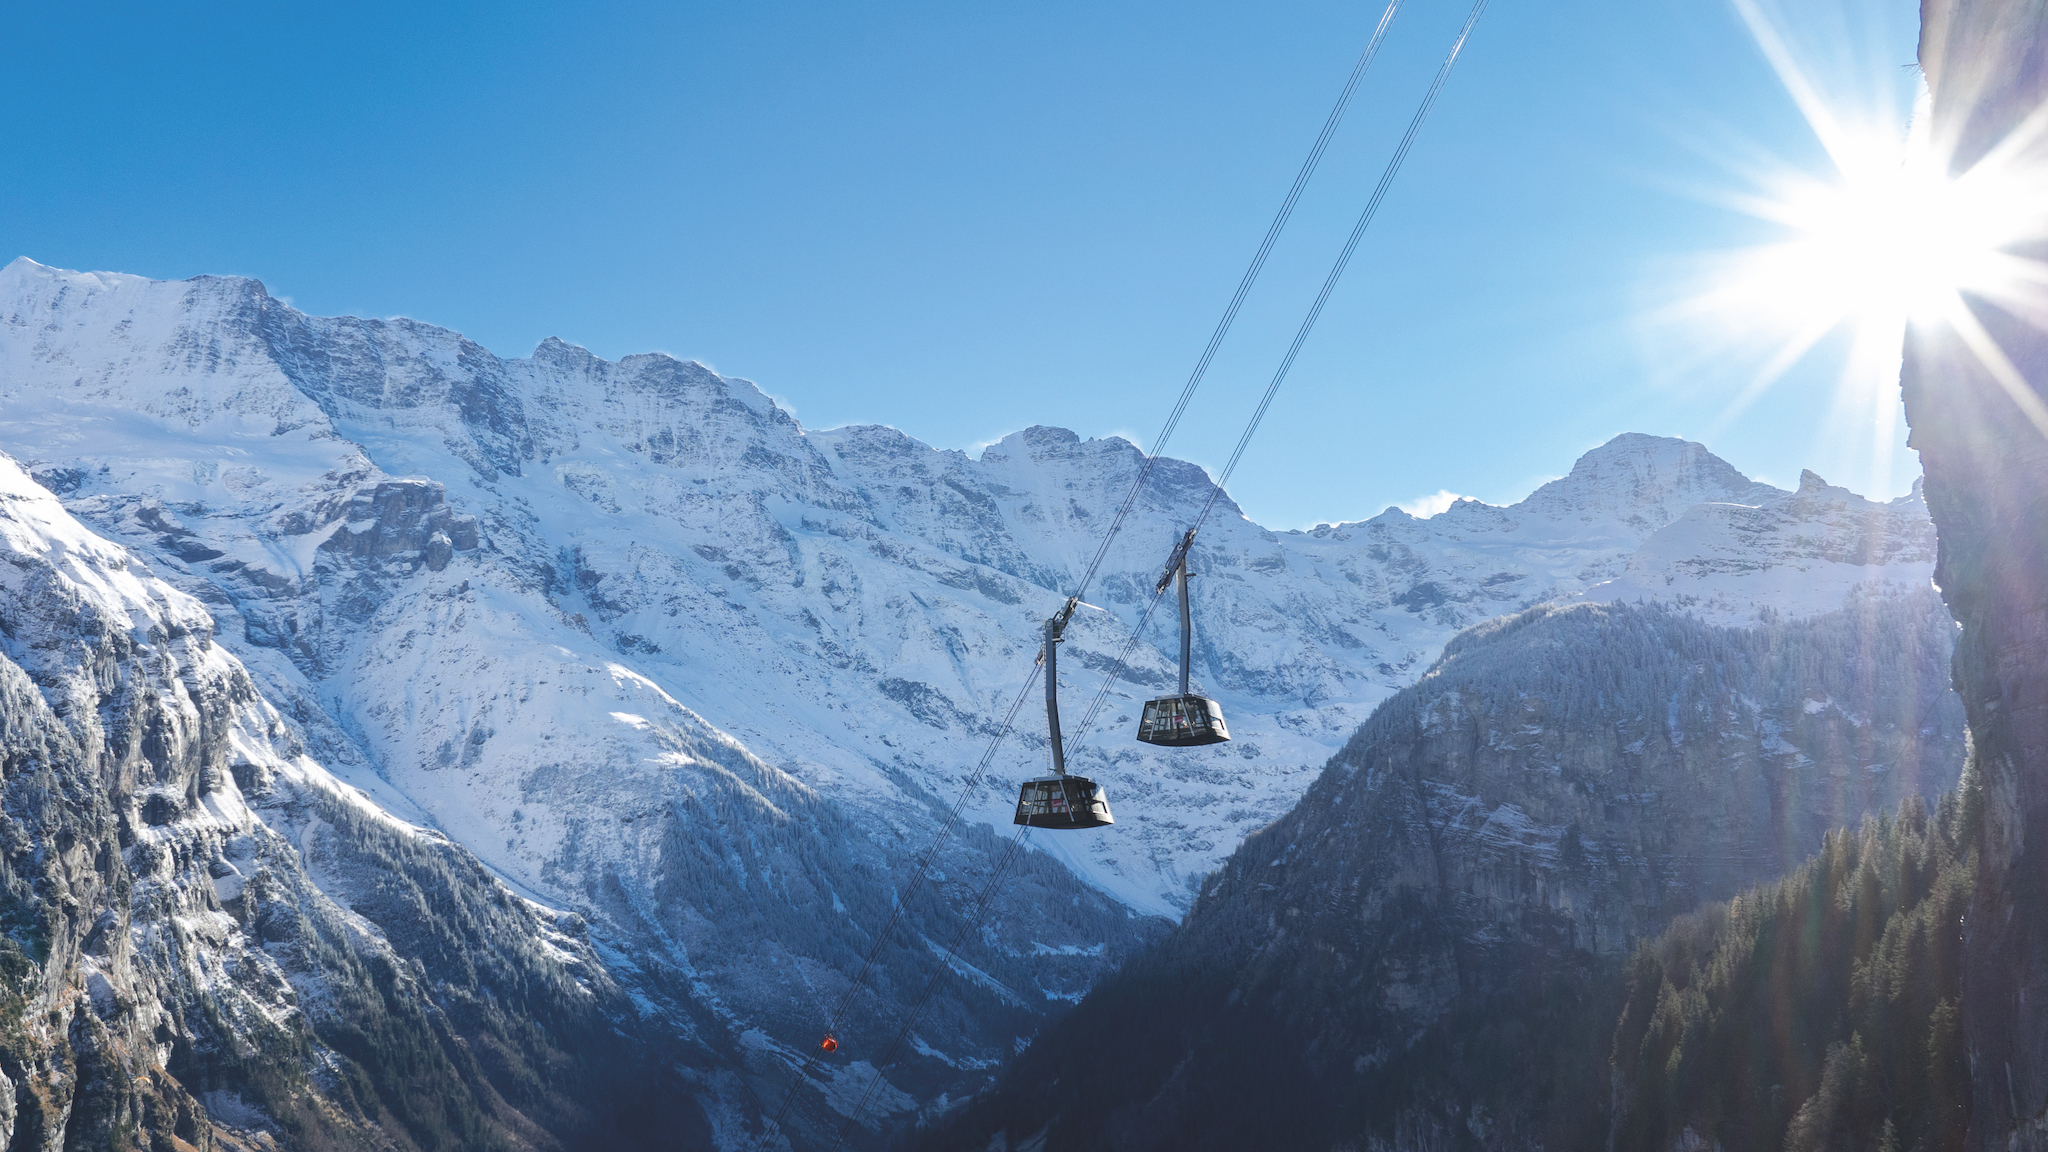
x: 1425, y: 943
x: 172, y: 974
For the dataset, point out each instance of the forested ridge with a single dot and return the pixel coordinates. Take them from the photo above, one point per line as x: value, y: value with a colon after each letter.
x: 1818, y: 1013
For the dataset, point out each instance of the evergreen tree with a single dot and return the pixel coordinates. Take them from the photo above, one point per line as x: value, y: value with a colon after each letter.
x: 1816, y: 1014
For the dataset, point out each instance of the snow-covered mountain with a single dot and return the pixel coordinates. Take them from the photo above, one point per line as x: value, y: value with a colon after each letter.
x: 851, y: 605
x: 651, y: 649
x: 208, y: 939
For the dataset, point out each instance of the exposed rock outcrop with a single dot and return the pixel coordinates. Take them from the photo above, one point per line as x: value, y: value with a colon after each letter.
x: 1986, y: 462
x: 403, y: 519
x: 173, y: 977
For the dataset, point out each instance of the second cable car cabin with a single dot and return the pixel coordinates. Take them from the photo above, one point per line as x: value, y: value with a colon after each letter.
x: 1184, y: 720
x: 1063, y: 801
x: 1060, y: 801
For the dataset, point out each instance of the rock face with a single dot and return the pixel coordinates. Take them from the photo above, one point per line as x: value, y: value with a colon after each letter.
x: 210, y: 936
x: 175, y: 977
x: 1986, y: 463
x: 1410, y: 951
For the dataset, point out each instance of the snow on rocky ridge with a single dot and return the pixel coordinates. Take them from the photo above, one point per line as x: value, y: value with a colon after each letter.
x: 568, y: 574
x: 202, y: 925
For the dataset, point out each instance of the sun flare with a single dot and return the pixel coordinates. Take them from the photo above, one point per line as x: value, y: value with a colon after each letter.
x: 1892, y: 238
x: 1889, y: 232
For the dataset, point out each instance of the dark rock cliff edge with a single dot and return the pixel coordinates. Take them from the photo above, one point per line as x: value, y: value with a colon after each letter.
x: 1986, y: 63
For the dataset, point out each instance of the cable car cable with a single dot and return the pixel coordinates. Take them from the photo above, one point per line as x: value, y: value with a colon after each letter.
x: 1365, y: 218
x: 931, y: 853
x: 1166, y: 432
x: 1122, y: 658
x: 1372, y: 205
x: 1244, y: 286
x: 902, y: 903
x: 931, y: 985
x: 1223, y: 326
x: 1258, y: 415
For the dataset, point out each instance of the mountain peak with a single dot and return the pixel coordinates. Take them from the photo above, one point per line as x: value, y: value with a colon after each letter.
x: 22, y: 269
x: 1631, y: 447
x: 1641, y: 483
x: 1031, y: 443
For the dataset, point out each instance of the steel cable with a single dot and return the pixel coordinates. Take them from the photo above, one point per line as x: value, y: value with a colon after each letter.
x: 1122, y: 659
x: 1244, y: 287
x: 1308, y: 324
x: 1258, y: 415
x: 1372, y: 206
x: 1216, y: 338
x: 903, y: 901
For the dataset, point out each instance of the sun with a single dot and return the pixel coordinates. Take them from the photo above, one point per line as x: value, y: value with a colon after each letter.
x: 1886, y: 236
x: 1890, y: 238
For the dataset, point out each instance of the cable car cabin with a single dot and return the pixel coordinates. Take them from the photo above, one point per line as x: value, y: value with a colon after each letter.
x: 1183, y: 720
x: 1186, y: 721
x: 1063, y: 802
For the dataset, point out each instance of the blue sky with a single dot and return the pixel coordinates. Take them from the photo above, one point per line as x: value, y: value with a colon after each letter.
x: 963, y: 219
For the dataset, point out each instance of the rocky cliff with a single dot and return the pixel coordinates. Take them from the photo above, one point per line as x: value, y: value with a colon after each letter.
x: 210, y: 942
x: 1426, y: 945
x: 1969, y: 387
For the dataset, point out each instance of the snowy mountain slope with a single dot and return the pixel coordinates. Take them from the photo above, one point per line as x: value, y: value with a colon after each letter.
x: 1795, y: 555
x: 698, y: 957
x: 656, y: 653
x: 851, y: 605
x: 211, y: 940
x: 449, y: 680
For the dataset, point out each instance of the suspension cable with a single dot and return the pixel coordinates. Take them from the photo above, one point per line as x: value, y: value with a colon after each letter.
x: 903, y: 901
x: 1122, y: 659
x: 1259, y: 414
x: 952, y: 952
x: 1308, y: 324
x: 1116, y: 523
x: 1372, y: 207
x: 1244, y: 287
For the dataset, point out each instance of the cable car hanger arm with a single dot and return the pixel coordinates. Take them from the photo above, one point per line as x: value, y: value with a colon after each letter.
x: 1173, y: 562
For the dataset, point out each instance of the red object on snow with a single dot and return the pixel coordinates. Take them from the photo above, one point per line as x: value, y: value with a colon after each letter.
x: 830, y: 1045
